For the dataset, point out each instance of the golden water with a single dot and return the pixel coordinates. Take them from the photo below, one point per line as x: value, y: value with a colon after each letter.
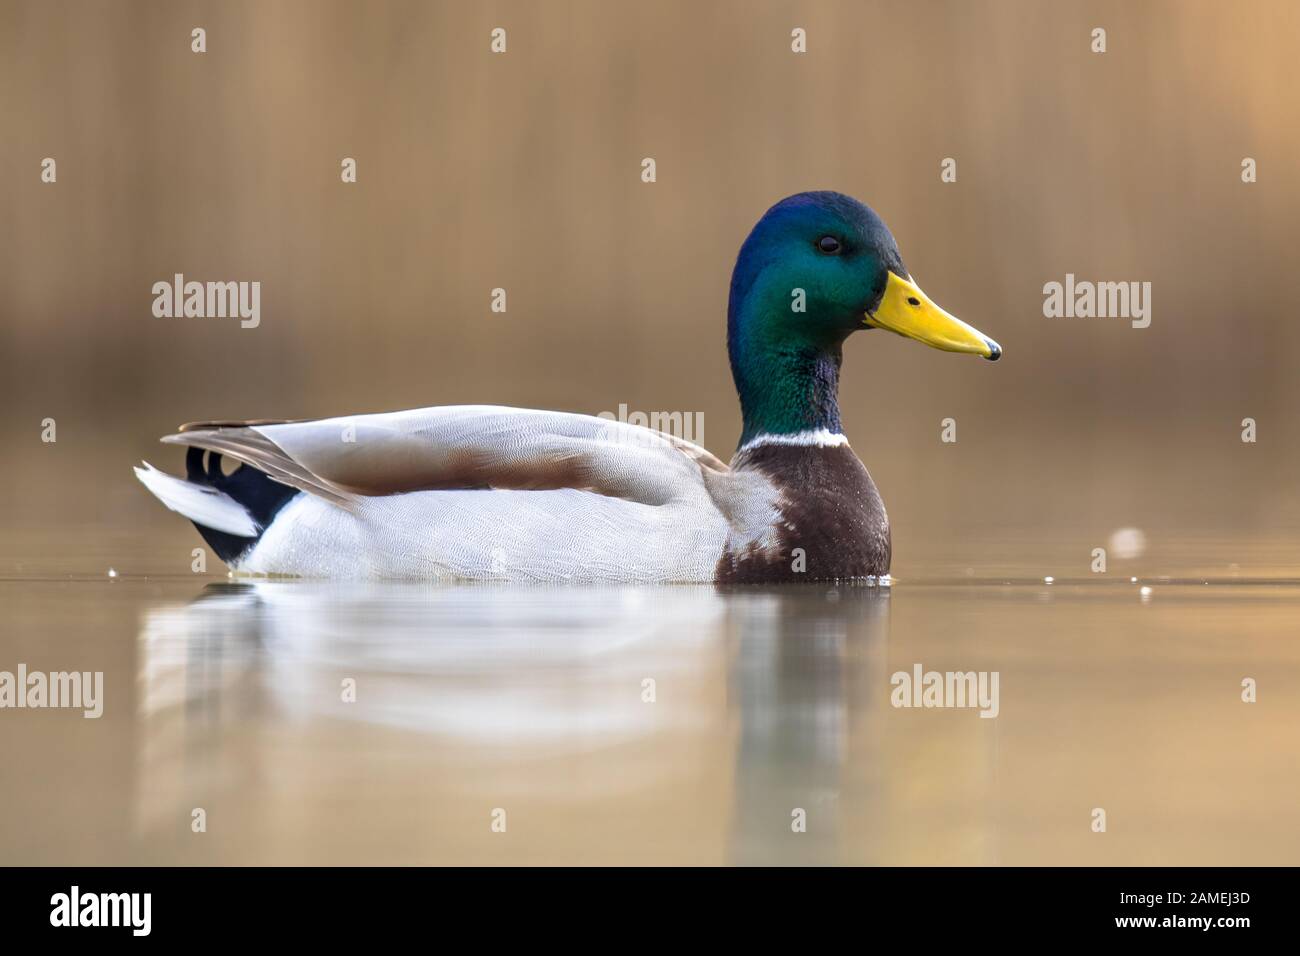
x: 228, y: 696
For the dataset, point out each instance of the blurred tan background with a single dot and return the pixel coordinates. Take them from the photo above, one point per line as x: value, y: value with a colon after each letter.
x: 522, y: 171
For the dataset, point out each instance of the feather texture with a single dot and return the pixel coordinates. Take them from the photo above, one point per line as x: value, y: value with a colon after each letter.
x: 493, y: 493
x: 207, y: 506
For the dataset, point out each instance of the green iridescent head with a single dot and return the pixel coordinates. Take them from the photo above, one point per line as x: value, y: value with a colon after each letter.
x: 816, y: 268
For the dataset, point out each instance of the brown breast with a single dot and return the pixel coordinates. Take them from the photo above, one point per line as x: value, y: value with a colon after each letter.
x: 833, y: 524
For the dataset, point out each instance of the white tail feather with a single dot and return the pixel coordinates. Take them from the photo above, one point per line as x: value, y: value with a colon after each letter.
x: 206, y: 506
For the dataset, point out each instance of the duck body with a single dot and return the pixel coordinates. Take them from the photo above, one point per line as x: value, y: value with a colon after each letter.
x: 490, y: 493
x: 579, y: 498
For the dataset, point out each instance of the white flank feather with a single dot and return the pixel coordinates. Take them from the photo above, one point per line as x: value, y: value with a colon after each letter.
x: 206, y: 506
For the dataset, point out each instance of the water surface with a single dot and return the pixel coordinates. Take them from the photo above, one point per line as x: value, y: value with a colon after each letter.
x: 470, y: 700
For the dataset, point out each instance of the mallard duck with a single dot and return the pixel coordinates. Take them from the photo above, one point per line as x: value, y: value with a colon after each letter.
x: 478, y: 492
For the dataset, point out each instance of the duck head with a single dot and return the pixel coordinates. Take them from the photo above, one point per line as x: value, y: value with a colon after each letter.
x: 816, y: 268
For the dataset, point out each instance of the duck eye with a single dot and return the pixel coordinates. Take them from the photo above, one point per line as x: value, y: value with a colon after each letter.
x: 913, y: 300
x: 829, y: 245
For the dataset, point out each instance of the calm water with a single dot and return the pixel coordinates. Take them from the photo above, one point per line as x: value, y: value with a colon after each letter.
x: 228, y: 696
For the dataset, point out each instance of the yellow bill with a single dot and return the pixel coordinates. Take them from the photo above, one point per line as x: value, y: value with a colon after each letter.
x: 906, y: 310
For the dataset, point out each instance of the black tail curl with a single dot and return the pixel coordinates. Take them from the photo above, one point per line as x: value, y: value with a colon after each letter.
x: 255, y: 490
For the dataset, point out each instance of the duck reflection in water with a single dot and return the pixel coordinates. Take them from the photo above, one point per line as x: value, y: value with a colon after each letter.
x: 704, y: 723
